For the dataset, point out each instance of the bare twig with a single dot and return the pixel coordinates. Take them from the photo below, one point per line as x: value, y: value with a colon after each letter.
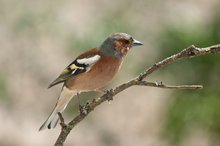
x: 189, y: 52
x: 161, y: 85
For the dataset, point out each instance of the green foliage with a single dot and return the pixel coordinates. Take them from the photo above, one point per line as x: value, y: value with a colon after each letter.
x: 25, y: 21
x: 193, y: 109
x: 190, y: 110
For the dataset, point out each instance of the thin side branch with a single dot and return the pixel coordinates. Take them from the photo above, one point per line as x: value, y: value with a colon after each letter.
x: 189, y: 52
x: 161, y: 85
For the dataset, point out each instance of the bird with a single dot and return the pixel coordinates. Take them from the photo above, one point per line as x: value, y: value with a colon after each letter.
x: 90, y: 71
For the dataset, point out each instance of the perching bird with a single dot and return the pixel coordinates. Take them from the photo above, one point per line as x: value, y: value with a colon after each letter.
x: 90, y: 71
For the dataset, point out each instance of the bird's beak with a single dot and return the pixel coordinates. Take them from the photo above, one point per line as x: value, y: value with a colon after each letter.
x: 136, y: 43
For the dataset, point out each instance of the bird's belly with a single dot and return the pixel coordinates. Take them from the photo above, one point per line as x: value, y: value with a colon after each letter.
x: 97, y: 77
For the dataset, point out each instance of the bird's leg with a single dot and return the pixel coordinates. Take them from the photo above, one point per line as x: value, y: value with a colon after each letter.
x: 82, y: 109
x: 78, y: 99
x: 108, y: 92
x: 80, y: 106
x: 62, y: 123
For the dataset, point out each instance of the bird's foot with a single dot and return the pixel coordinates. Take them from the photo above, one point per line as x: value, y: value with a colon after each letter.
x: 81, y: 110
x: 62, y: 122
x: 84, y: 109
x: 109, y: 95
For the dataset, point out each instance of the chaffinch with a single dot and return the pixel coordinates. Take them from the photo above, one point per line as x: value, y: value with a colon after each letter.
x: 90, y: 71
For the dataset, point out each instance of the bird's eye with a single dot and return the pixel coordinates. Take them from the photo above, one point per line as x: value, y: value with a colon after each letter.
x: 126, y: 41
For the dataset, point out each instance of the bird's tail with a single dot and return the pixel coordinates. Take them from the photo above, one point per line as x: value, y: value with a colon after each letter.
x: 65, y: 97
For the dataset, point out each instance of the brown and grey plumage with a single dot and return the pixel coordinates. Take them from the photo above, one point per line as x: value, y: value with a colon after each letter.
x: 90, y: 71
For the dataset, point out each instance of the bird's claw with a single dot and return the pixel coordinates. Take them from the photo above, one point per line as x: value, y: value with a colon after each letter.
x: 62, y: 123
x: 81, y: 110
x: 84, y: 109
x: 109, y: 94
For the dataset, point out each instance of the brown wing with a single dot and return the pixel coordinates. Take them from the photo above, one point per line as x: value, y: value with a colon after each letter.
x: 80, y: 65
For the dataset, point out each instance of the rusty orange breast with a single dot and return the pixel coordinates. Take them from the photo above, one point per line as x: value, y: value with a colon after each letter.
x: 99, y: 74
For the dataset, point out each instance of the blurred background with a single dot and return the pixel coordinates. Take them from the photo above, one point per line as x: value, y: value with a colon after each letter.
x: 38, y: 39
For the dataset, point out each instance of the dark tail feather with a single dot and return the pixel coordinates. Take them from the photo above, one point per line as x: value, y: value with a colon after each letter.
x: 51, y: 121
x: 65, y: 96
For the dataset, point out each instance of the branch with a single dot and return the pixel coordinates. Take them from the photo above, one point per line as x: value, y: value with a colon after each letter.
x: 161, y: 85
x: 189, y: 52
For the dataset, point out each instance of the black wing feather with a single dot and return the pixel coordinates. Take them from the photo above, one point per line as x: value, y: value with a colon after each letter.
x: 68, y: 72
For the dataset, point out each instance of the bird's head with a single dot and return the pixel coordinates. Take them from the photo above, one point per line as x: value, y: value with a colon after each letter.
x: 118, y: 44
